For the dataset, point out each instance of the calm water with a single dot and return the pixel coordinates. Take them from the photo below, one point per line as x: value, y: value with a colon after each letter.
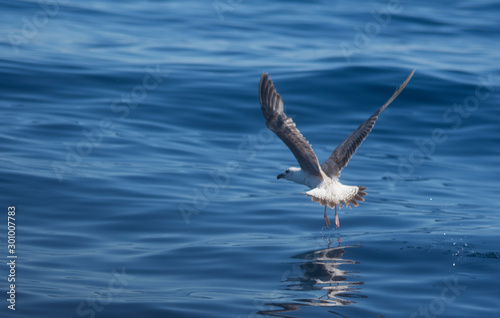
x: 144, y: 178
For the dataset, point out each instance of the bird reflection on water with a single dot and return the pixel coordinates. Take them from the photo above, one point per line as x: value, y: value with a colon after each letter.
x: 320, y: 270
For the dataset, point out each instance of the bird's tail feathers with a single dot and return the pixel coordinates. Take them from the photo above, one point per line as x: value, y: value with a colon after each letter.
x: 324, y: 198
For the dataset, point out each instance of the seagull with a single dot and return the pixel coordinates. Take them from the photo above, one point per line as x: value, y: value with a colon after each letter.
x: 322, y: 179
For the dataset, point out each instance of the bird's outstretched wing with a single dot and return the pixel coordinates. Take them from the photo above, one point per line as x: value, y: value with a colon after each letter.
x: 343, y: 153
x: 284, y: 127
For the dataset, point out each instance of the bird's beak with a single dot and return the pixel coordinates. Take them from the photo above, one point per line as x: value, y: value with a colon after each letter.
x: 280, y: 176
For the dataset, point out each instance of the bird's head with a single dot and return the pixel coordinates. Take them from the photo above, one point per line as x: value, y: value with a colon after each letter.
x: 290, y: 174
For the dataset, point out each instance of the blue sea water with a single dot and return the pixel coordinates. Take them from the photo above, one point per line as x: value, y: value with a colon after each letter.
x: 143, y: 176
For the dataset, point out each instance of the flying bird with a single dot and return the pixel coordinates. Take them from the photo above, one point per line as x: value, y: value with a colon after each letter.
x: 322, y: 179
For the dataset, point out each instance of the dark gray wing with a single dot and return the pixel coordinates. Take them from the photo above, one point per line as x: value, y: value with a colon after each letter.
x: 343, y: 153
x: 284, y: 127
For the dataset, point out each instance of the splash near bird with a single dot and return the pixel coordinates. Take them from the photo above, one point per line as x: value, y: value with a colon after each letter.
x: 322, y: 179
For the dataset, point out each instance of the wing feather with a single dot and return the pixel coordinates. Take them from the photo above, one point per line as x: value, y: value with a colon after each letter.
x: 284, y: 127
x: 343, y: 153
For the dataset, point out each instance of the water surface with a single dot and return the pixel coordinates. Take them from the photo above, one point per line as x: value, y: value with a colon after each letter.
x: 144, y: 177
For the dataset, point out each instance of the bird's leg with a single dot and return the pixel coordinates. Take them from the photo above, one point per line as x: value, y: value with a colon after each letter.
x: 337, y: 223
x: 327, y: 222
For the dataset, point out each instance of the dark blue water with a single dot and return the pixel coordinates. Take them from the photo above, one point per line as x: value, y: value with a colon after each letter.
x: 144, y: 178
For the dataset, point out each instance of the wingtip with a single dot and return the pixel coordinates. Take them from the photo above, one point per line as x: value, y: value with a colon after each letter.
x: 268, y: 95
x: 262, y: 82
x: 399, y: 90
x: 410, y: 76
x: 264, y: 78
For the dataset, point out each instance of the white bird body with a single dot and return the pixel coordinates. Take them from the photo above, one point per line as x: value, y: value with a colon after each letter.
x: 322, y: 179
x: 333, y: 193
x: 324, y: 189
